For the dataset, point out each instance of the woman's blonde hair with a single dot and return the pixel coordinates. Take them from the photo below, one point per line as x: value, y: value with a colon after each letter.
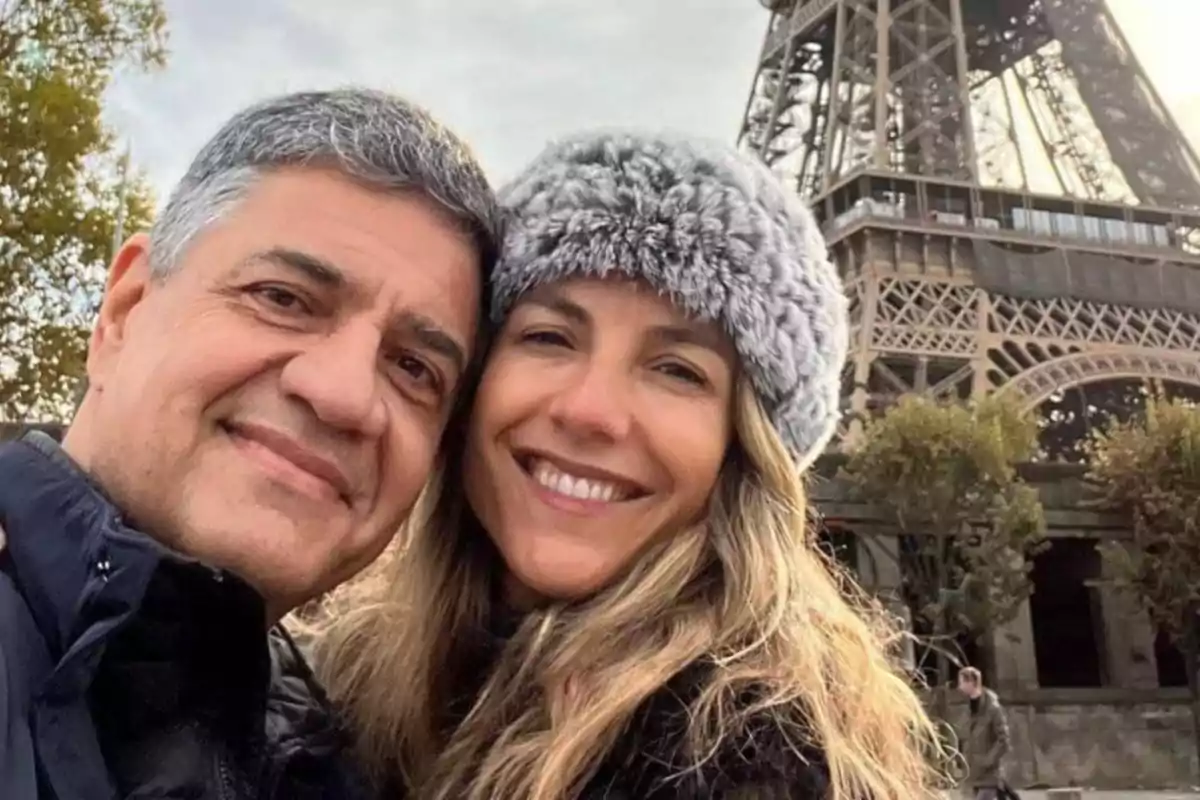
x: 748, y: 591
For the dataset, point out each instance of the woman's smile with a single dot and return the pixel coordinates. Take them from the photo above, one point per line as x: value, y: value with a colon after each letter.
x: 576, y: 488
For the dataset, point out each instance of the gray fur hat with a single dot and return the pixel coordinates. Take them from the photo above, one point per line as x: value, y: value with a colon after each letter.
x: 709, y: 228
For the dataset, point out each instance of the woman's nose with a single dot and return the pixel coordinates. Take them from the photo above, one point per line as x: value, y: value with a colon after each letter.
x: 595, y: 404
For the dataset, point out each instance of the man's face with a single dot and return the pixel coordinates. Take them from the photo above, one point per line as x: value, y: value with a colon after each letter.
x: 968, y: 687
x: 274, y: 406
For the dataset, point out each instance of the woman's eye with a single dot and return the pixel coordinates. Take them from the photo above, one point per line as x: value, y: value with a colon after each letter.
x: 545, y: 338
x: 682, y: 372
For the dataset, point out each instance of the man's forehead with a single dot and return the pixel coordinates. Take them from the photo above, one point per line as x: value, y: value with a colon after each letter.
x: 378, y: 250
x: 319, y: 191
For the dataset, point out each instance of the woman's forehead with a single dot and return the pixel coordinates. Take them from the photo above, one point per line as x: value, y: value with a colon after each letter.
x: 636, y: 297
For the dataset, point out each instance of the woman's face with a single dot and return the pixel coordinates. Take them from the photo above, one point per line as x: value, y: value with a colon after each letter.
x: 601, y: 423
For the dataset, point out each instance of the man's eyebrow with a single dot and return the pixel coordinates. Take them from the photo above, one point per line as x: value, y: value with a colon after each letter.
x: 315, y: 269
x: 435, y: 338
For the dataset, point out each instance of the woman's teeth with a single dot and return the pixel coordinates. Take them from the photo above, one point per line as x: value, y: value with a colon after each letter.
x: 558, y: 481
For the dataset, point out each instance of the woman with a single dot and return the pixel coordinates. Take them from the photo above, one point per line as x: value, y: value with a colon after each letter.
x: 629, y: 604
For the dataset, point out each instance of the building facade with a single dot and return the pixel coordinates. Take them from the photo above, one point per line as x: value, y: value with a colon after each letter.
x: 1095, y: 696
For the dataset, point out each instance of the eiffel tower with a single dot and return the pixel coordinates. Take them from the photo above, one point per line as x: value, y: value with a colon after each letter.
x: 1012, y: 206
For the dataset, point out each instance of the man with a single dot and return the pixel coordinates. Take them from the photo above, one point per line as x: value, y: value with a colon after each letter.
x: 269, y: 377
x: 986, y: 742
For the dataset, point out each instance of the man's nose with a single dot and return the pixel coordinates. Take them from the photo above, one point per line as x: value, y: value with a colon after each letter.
x: 338, y: 377
x: 594, y: 403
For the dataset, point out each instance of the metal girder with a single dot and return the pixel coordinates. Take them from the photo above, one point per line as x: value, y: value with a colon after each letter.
x: 845, y: 84
x: 937, y: 87
x: 1141, y: 134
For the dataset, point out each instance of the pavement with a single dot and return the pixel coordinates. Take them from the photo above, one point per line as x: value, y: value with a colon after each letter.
x: 1096, y: 794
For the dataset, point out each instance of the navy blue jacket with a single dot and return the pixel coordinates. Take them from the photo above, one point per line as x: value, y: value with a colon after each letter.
x: 127, y: 670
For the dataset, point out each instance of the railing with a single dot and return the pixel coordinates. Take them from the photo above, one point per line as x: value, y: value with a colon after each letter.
x: 1030, y: 222
x: 801, y: 17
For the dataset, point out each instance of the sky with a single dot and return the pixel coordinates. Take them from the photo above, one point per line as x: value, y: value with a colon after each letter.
x: 509, y: 75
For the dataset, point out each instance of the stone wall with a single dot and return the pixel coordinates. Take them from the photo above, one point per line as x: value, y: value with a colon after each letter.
x: 1127, y: 734
x: 1101, y: 745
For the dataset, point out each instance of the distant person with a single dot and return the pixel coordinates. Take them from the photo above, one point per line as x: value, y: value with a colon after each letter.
x: 985, y: 743
x: 270, y: 375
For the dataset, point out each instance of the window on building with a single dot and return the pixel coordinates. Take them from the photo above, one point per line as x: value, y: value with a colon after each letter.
x: 1172, y: 671
x: 1067, y: 621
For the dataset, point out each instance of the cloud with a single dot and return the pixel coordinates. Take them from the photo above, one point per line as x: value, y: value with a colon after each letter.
x: 508, y: 76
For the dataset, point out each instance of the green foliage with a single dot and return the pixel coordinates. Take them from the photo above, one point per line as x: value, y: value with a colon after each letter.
x: 59, y: 184
x: 1149, y: 469
x: 944, y: 477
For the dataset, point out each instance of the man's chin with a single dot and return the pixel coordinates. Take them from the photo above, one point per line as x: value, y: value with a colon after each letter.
x: 262, y: 542
x: 283, y: 583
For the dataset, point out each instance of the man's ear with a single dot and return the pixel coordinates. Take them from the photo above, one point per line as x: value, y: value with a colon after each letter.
x: 127, y: 283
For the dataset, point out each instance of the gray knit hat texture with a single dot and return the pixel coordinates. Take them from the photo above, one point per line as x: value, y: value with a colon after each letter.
x: 711, y: 229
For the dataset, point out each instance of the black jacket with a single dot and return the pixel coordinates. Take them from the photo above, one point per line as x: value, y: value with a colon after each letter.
x: 757, y: 763
x: 650, y: 760
x: 129, y: 671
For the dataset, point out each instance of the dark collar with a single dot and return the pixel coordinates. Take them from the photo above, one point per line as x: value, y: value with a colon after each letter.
x: 75, y: 560
x: 148, y: 636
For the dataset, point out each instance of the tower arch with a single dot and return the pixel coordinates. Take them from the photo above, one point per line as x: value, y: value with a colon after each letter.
x: 1038, y: 384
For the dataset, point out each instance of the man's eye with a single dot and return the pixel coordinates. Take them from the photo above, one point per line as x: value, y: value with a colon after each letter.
x: 414, y: 367
x: 418, y: 375
x: 280, y: 297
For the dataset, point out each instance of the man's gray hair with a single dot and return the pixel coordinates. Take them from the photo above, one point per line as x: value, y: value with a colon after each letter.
x: 378, y: 139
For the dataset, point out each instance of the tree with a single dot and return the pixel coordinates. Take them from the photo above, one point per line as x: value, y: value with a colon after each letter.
x: 943, y: 477
x: 61, y: 197
x: 1148, y: 468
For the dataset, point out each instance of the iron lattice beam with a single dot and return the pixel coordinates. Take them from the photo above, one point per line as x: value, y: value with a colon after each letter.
x: 1142, y: 137
x: 848, y: 84
x: 936, y: 88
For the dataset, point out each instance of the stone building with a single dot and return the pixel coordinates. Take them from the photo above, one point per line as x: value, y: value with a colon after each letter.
x: 1095, y: 696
